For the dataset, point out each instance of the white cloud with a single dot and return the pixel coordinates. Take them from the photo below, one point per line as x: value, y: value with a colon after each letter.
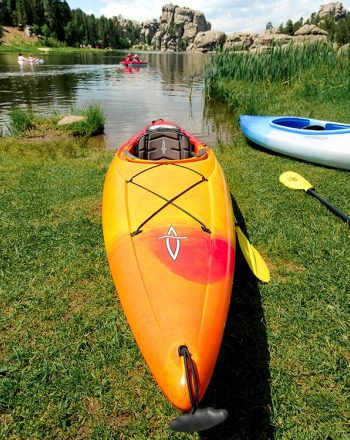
x: 224, y: 15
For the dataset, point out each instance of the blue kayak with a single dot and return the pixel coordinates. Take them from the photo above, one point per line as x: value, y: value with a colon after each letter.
x: 323, y: 142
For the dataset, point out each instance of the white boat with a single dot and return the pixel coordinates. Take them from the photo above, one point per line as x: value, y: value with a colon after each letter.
x: 323, y: 142
x: 37, y: 61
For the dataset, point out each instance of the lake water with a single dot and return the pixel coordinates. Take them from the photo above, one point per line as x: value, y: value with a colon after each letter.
x: 171, y: 87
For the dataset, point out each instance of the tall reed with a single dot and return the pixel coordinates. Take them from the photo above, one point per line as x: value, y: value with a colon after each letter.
x: 313, y: 76
x: 275, y: 65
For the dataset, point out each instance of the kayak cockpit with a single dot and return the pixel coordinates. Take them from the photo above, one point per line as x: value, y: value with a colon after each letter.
x: 309, y: 124
x: 163, y: 142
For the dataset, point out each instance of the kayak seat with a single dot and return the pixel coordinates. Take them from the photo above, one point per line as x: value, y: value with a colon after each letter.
x: 314, y: 127
x: 164, y: 145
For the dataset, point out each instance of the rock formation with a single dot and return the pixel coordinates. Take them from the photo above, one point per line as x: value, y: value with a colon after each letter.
x: 335, y: 10
x: 310, y: 32
x: 239, y: 41
x: 148, y: 31
x: 176, y: 29
x: 181, y: 28
x: 207, y: 41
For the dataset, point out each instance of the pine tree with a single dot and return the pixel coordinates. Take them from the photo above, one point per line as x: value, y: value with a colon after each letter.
x: 21, y: 12
x: 342, y: 32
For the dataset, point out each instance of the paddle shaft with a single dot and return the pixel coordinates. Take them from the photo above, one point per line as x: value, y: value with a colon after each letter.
x: 336, y: 211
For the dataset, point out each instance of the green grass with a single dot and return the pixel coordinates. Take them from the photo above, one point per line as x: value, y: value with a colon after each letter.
x: 69, y: 366
x: 93, y: 123
x: 20, y: 121
x: 306, y: 304
x: 27, y: 123
x: 302, y: 351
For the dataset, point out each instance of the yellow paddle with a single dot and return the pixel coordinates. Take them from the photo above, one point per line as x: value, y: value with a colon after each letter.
x: 295, y: 181
x: 255, y: 261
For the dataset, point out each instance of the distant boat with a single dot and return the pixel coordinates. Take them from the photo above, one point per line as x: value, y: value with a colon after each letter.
x: 36, y: 61
x: 142, y: 64
x: 323, y: 142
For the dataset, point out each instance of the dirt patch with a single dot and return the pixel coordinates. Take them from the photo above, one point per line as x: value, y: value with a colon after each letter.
x: 14, y: 37
x: 117, y: 421
x: 48, y: 135
x: 292, y: 267
x: 93, y: 407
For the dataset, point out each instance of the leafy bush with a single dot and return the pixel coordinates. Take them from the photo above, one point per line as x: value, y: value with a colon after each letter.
x: 93, y: 123
x: 20, y: 121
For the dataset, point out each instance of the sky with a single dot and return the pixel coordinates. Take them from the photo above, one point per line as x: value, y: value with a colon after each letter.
x: 224, y: 15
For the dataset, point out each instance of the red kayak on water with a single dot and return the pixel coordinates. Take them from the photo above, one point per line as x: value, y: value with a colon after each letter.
x: 128, y: 63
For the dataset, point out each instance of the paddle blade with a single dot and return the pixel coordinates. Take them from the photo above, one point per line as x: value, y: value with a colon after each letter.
x: 255, y: 261
x: 294, y: 180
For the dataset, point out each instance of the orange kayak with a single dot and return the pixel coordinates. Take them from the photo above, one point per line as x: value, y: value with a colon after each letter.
x: 170, y: 241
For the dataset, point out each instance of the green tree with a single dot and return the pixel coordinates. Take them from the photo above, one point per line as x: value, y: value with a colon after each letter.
x: 289, y: 29
x: 76, y: 28
x: 45, y: 30
x: 342, y: 31
x: 269, y: 26
x: 92, y: 30
x: 63, y: 14
x: 10, y: 12
x: 36, y: 12
x: 2, y: 13
x: 71, y: 33
x: 21, y: 12
x: 58, y: 23
x: 298, y: 24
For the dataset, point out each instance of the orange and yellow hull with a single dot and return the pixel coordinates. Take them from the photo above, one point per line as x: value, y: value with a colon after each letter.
x: 173, y: 276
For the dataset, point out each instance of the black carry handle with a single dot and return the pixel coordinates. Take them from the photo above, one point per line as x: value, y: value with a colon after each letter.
x: 336, y: 211
x: 198, y: 419
x: 202, y: 419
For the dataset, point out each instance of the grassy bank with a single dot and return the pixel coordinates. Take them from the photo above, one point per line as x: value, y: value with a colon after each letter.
x: 37, y: 49
x: 15, y: 40
x: 310, y: 80
x: 30, y: 125
x: 69, y: 366
x: 305, y: 307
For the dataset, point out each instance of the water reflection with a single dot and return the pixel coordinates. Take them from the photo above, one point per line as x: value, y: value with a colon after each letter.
x: 171, y: 87
x: 131, y: 70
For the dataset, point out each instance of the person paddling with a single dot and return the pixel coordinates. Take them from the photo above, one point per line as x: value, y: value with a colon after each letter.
x: 32, y: 59
x: 21, y: 58
x: 128, y: 58
x: 136, y: 59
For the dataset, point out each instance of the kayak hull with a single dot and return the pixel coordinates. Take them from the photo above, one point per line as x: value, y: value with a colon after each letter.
x: 322, y: 142
x: 133, y: 64
x: 174, y: 272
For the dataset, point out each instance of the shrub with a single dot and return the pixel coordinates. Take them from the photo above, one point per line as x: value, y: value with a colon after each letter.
x: 20, y: 121
x: 93, y: 123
